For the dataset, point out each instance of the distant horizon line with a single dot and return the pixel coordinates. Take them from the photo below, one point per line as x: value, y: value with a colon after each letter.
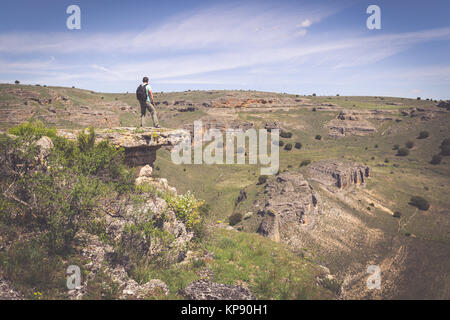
x: 245, y: 90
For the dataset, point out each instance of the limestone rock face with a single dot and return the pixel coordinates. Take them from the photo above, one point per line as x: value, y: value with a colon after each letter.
x: 140, y: 144
x: 288, y: 202
x: 207, y: 290
x: 341, y: 174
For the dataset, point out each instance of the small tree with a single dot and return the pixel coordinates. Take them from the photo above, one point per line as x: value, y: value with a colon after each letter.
x: 17, y: 82
x: 423, y: 135
x: 420, y: 203
x: 436, y: 159
x: 409, y: 144
x: 318, y: 137
x: 304, y: 163
x: 262, y: 179
x: 298, y: 145
x: 235, y: 219
x: 285, y: 134
x: 288, y: 147
x: 403, y: 152
x: 445, y: 147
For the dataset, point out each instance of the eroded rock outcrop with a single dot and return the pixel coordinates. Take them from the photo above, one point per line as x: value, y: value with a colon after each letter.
x: 346, y: 125
x: 340, y: 174
x: 288, y: 202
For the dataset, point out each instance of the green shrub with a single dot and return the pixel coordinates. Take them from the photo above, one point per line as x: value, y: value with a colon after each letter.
x: 86, y: 141
x: 288, y: 147
x: 318, y: 137
x: 281, y: 143
x: 445, y: 147
x: 397, y: 214
x: 403, y: 152
x: 262, y: 179
x: 285, y: 134
x: 436, y: 159
x: 409, y: 144
x: 30, y: 267
x: 235, y: 219
x: 60, y: 200
x: 305, y: 163
x: 420, y: 203
x: 32, y: 129
x: 186, y: 208
x: 298, y: 145
x: 396, y: 147
x: 423, y: 135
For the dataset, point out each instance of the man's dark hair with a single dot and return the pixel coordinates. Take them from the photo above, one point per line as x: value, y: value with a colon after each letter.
x: 145, y: 79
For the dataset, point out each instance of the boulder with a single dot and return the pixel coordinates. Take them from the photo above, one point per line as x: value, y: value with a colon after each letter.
x: 45, y: 145
x: 146, y: 171
x: 207, y: 290
x: 154, y: 287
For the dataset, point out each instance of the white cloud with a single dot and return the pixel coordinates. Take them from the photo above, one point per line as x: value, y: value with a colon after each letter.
x: 305, y: 23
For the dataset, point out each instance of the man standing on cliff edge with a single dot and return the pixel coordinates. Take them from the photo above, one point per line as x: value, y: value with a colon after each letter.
x: 144, y: 94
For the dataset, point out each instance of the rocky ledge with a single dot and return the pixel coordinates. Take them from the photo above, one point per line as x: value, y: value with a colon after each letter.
x: 339, y: 173
x: 140, y: 144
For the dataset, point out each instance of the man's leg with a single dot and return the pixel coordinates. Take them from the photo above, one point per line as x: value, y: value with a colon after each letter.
x: 143, y: 111
x: 152, y: 110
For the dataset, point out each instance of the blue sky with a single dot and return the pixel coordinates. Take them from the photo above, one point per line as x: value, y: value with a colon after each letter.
x: 301, y: 47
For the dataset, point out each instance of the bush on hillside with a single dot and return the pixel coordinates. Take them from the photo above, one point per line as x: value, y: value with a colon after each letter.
x: 304, y: 163
x: 409, y: 144
x: 285, y: 134
x: 298, y: 145
x: 420, y: 203
x: 235, y: 219
x: 436, y: 159
x: 423, y: 135
x: 288, y: 147
x: 403, y: 152
x: 445, y: 147
x: 262, y: 179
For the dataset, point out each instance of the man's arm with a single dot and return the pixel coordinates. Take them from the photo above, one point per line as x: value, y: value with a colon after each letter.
x: 151, y: 96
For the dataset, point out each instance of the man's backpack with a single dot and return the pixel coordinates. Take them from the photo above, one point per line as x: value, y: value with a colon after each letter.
x: 141, y: 93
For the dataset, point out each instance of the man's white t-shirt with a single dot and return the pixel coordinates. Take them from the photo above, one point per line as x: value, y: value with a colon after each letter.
x: 148, y: 88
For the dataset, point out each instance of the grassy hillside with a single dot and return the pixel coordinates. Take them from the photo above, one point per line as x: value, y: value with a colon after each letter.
x: 394, y: 179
